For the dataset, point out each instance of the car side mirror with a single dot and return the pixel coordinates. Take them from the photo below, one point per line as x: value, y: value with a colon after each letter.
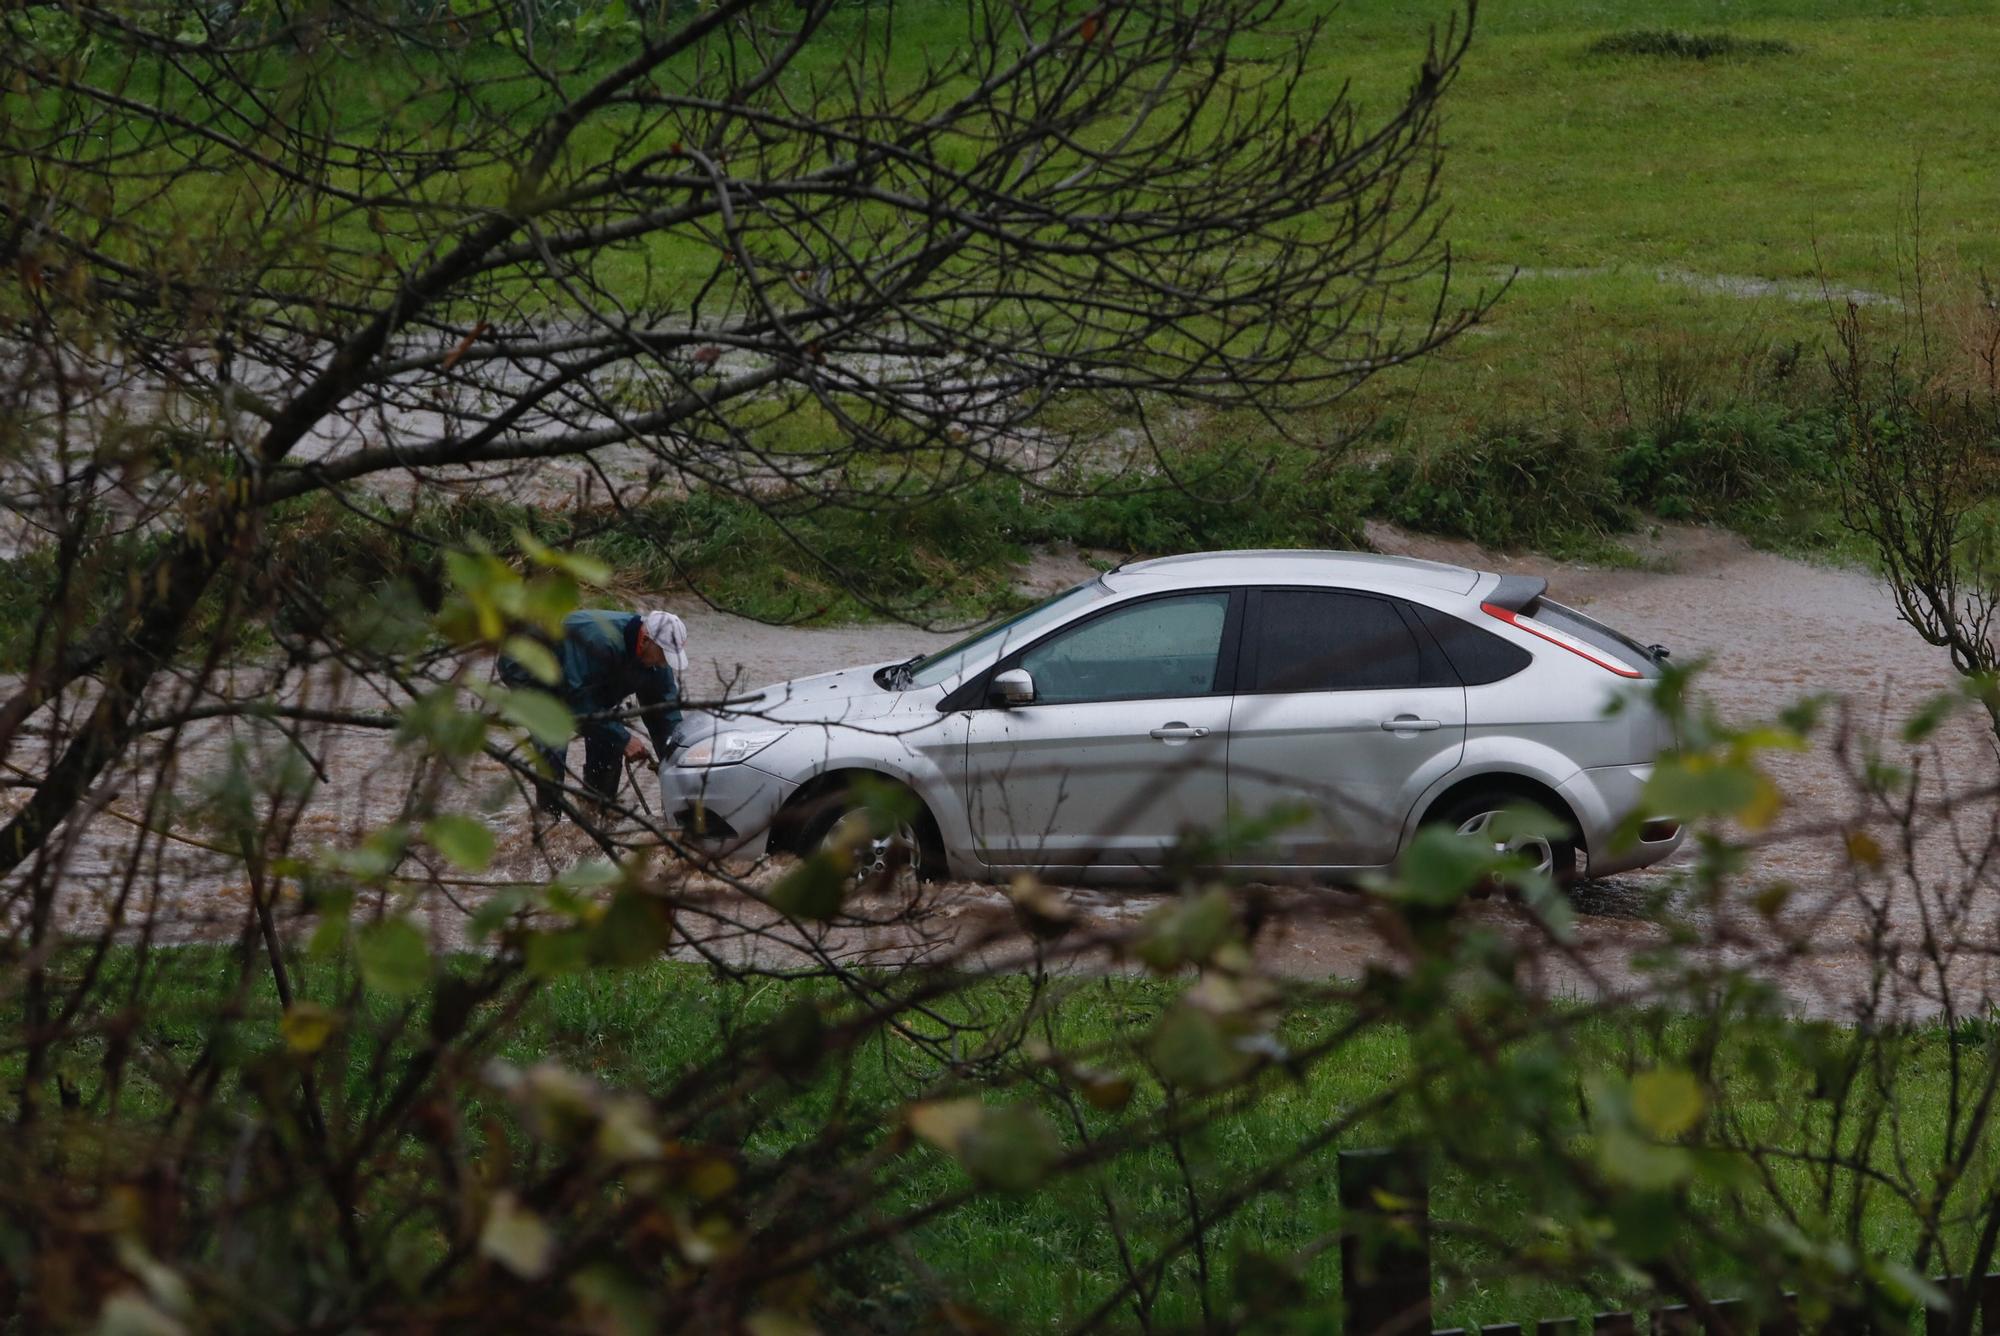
x: 1013, y: 687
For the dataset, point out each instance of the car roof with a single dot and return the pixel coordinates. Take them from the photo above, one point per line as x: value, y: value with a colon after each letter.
x: 1288, y: 565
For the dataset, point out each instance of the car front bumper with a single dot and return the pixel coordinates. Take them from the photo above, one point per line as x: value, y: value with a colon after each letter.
x: 1604, y: 799
x: 726, y: 809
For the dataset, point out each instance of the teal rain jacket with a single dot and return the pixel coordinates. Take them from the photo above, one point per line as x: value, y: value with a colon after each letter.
x: 601, y: 669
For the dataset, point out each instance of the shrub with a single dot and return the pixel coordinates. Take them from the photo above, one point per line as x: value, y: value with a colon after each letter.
x: 1729, y: 465
x: 1509, y: 487
x: 1678, y: 45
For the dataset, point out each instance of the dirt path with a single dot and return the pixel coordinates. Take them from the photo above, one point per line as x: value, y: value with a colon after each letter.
x: 1771, y: 630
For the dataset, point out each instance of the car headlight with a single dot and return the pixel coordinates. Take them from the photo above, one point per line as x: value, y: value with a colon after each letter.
x: 728, y: 748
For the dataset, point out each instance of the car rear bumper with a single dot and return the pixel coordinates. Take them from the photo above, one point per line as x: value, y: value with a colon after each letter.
x: 1604, y: 798
x: 726, y: 809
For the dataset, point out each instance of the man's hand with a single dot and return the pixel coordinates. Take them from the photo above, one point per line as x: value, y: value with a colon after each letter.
x: 635, y: 750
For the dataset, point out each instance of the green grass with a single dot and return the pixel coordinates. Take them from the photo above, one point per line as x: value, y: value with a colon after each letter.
x: 1032, y: 1259
x: 1674, y: 230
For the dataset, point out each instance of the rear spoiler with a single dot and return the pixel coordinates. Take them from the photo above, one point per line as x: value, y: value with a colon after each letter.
x: 1516, y: 592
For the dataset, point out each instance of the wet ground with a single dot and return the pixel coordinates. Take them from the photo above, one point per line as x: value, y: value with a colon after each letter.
x: 1770, y: 629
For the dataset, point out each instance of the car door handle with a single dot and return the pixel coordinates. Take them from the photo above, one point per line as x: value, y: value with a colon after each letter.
x: 1177, y: 731
x: 1409, y: 723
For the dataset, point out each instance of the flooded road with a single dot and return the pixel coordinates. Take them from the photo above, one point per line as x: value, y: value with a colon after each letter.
x: 1770, y: 630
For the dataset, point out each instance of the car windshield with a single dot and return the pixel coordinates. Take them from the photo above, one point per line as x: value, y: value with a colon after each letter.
x: 993, y: 640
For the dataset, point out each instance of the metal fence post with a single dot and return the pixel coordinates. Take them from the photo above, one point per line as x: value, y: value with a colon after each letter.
x: 1385, y: 1243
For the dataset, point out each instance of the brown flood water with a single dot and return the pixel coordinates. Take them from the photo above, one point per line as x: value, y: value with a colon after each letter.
x: 1771, y: 630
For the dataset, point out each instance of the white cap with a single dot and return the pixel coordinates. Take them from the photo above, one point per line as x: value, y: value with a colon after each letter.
x: 670, y: 633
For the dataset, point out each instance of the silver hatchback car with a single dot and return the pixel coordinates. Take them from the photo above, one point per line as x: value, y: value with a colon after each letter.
x: 1281, y: 713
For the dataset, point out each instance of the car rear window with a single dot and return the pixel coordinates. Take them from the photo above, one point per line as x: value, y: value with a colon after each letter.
x: 1325, y: 640
x: 1595, y: 634
x: 1478, y: 657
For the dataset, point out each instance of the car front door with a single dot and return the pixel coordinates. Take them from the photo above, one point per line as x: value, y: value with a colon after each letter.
x: 1345, y: 712
x: 1122, y: 749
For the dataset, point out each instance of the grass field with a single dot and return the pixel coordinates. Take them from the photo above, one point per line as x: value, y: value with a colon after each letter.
x: 1034, y: 1258
x: 1643, y: 196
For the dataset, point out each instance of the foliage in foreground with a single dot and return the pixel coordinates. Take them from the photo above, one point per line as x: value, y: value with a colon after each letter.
x: 325, y: 1120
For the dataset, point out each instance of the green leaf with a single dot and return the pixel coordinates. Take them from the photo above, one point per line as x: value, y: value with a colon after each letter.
x: 1697, y: 786
x: 590, y: 874
x: 536, y: 657
x: 376, y: 857
x: 465, y: 840
x: 394, y: 957
x: 588, y: 570
x: 436, y: 719
x: 499, y: 907
x: 334, y: 908
x: 1192, y: 1048
x: 635, y: 929
x: 815, y: 888
x: 1666, y: 1101
x: 1011, y: 1148
x: 611, y: 1303
x: 549, y: 954
x: 1187, y: 931
x: 1441, y: 866
x: 546, y: 719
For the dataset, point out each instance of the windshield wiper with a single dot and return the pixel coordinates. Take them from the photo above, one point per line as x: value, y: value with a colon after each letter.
x: 897, y: 675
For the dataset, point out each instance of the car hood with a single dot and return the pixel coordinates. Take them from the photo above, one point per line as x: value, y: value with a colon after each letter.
x: 848, y: 695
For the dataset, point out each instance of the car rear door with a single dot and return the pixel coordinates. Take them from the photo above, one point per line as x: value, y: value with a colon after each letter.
x: 1123, y: 748
x: 1344, y: 713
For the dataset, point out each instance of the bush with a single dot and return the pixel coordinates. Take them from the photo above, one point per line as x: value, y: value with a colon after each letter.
x: 1510, y: 487
x: 1678, y: 45
x: 1729, y: 466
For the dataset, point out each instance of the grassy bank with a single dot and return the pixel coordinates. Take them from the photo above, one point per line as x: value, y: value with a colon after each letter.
x: 1559, y: 490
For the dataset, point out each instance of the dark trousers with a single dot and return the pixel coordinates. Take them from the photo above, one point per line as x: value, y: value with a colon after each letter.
x: 603, y: 752
x: 603, y: 759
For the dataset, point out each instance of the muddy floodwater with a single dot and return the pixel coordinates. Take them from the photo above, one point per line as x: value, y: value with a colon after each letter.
x: 1770, y: 630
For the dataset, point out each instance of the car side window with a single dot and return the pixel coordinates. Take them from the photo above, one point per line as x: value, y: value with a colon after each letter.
x: 1163, y: 647
x: 1327, y: 640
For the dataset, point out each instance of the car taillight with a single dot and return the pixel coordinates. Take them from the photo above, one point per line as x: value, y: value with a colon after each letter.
x: 1555, y: 637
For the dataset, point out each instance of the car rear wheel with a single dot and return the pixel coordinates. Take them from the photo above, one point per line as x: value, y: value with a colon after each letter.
x: 1478, y: 816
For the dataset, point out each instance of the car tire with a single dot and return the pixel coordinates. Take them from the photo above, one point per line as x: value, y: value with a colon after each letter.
x: 916, y: 842
x: 1470, y: 814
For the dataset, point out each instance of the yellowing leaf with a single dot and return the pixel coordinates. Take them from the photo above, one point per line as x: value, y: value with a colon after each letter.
x: 945, y: 1122
x: 713, y: 1177
x: 588, y: 570
x: 1863, y: 850
x: 626, y: 1133
x: 515, y: 1237
x: 777, y: 1322
x: 306, y: 1027
x: 1764, y: 804
x: 1666, y: 1102
x: 128, y: 1313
